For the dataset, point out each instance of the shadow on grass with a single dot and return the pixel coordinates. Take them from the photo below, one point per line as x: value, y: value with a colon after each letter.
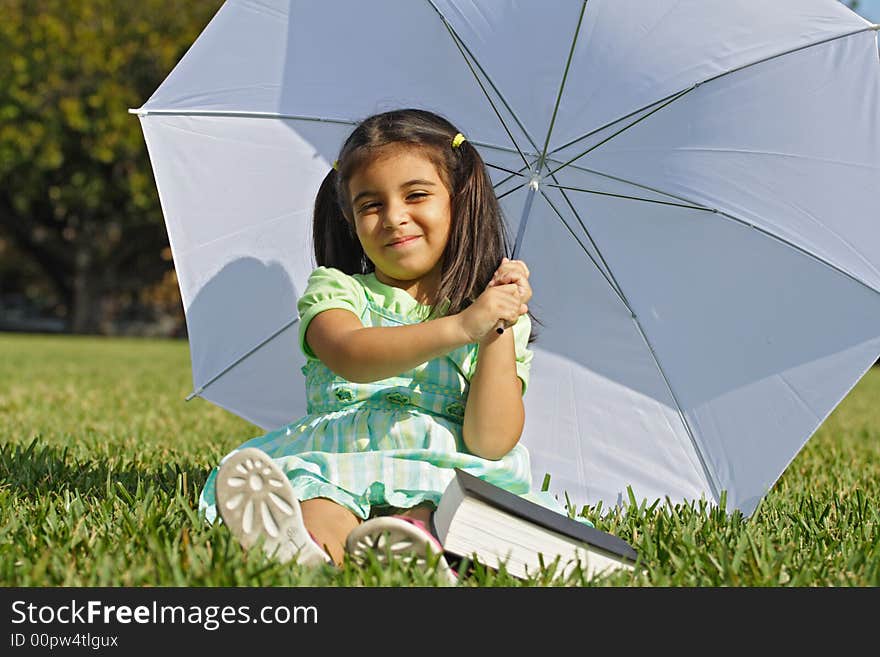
x: 38, y: 470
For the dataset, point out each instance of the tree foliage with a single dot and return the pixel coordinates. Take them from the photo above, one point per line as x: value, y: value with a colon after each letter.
x: 77, y: 196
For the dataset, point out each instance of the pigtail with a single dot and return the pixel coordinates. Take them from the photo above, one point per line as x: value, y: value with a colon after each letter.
x: 480, y: 240
x: 336, y: 244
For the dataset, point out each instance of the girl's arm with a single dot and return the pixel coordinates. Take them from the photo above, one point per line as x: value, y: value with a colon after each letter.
x: 494, y: 416
x: 363, y: 354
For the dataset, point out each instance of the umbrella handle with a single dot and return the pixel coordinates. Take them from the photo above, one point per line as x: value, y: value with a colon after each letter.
x: 501, y: 325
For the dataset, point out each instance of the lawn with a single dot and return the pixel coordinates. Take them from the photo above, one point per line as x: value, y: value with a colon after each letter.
x: 101, y: 463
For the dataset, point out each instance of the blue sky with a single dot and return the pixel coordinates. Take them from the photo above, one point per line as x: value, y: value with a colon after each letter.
x: 870, y: 9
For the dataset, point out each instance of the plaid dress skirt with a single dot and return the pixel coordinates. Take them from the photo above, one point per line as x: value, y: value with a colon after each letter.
x: 389, y: 444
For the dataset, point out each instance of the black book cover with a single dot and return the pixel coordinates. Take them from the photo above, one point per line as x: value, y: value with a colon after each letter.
x: 539, y: 515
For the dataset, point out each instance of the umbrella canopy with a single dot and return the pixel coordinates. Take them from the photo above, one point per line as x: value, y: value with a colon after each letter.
x: 693, y: 185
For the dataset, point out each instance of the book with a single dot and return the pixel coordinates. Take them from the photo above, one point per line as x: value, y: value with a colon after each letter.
x: 480, y: 521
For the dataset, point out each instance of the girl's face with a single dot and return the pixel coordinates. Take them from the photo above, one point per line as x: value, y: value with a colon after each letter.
x: 402, y: 215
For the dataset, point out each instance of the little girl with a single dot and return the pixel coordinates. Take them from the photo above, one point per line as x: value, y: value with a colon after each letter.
x: 409, y: 370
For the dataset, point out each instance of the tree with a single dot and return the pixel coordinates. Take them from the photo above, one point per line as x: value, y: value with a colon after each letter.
x: 77, y: 195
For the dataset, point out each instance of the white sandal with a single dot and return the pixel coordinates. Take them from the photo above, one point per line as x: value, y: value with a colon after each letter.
x: 397, y: 537
x: 256, y: 501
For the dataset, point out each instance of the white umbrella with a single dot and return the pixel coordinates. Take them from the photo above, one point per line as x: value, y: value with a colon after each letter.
x: 693, y: 185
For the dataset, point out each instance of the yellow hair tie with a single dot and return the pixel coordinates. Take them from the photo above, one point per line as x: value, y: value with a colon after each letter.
x: 457, y: 140
x: 336, y: 165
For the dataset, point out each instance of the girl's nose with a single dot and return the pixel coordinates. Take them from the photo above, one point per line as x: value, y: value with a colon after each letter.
x: 395, y: 214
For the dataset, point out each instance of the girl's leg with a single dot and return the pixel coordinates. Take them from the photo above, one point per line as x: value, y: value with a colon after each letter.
x: 329, y: 524
x: 421, y: 512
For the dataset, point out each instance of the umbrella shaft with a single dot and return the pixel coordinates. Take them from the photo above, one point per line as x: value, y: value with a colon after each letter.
x: 527, y: 210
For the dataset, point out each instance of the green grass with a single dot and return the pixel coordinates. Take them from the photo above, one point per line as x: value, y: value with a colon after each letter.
x: 101, y: 463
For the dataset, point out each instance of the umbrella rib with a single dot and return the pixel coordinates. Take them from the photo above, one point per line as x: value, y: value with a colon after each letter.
x: 611, y: 123
x: 632, y: 198
x: 612, y: 284
x: 271, y: 115
x: 503, y: 149
x: 292, y: 117
x: 577, y: 32
x: 869, y: 28
x: 463, y: 48
x: 500, y: 168
x: 577, y: 216
x: 625, y: 128
x: 455, y: 40
x: 710, y: 476
x: 512, y: 173
x: 203, y: 387
x: 243, y: 114
x: 518, y: 173
x: 552, y: 174
x: 511, y: 191
x: 682, y: 92
x: 692, y: 204
x: 521, y: 169
x: 717, y: 212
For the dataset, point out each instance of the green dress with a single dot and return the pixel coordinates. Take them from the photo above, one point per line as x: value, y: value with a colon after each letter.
x: 389, y: 444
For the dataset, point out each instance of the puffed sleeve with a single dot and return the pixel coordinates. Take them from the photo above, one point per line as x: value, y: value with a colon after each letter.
x: 521, y: 331
x: 327, y: 288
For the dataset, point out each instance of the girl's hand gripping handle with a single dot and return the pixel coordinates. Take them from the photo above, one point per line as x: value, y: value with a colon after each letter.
x: 501, y: 303
x: 498, y: 305
x: 512, y: 271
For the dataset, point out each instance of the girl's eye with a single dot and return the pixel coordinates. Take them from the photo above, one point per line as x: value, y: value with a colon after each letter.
x: 412, y: 197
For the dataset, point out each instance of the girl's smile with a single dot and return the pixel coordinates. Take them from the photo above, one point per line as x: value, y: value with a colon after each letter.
x: 402, y: 242
x: 402, y: 216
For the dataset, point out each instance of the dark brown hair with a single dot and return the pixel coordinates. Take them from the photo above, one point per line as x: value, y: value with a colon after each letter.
x: 477, y: 237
